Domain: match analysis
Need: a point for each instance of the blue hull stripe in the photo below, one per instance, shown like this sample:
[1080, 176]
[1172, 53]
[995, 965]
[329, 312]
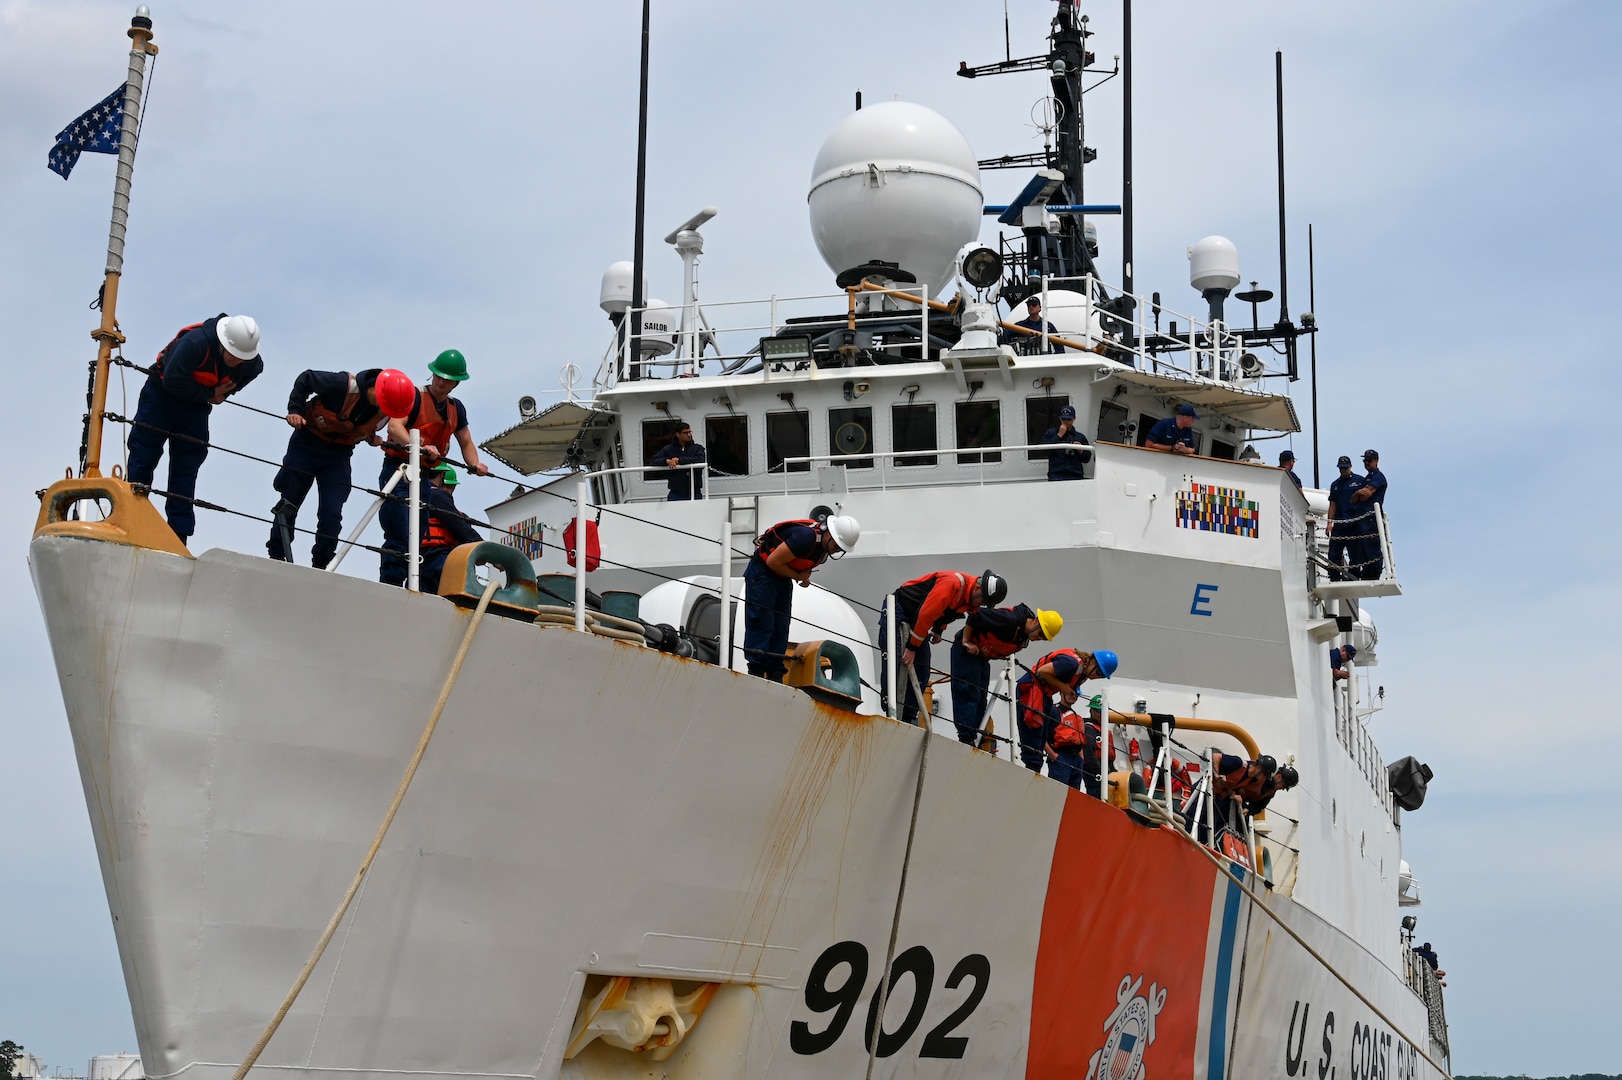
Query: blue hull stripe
[1216, 1062]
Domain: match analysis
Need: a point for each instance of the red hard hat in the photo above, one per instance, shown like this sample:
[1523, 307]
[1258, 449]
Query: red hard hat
[395, 394]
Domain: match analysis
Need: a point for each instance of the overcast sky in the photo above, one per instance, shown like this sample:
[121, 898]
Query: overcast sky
[376, 182]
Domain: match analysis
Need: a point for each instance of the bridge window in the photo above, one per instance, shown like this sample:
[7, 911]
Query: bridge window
[850, 431]
[1042, 413]
[1112, 417]
[726, 445]
[656, 435]
[913, 428]
[979, 423]
[788, 435]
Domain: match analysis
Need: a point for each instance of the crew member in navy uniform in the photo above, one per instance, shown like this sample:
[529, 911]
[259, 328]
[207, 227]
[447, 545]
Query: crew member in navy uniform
[331, 413]
[1251, 784]
[1345, 538]
[785, 553]
[1286, 461]
[685, 484]
[1060, 672]
[1370, 495]
[203, 365]
[1174, 433]
[1067, 464]
[991, 633]
[1339, 658]
[439, 417]
[925, 607]
[1030, 344]
[443, 529]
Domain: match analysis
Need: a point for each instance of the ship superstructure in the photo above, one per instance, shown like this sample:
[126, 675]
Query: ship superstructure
[623, 857]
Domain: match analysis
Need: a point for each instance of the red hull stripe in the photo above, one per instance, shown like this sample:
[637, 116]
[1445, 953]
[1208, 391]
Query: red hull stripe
[1121, 961]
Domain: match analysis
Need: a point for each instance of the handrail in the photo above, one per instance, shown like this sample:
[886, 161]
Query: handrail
[1195, 723]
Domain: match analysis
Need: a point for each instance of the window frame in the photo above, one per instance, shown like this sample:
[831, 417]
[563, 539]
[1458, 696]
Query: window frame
[839, 457]
[977, 455]
[920, 457]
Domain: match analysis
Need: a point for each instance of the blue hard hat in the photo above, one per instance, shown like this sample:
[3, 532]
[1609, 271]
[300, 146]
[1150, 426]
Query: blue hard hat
[1107, 662]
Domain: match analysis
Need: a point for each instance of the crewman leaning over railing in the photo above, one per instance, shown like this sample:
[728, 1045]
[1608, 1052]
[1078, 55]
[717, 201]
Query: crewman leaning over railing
[1073, 751]
[1247, 785]
[203, 365]
[1060, 673]
[785, 553]
[925, 607]
[331, 413]
[990, 633]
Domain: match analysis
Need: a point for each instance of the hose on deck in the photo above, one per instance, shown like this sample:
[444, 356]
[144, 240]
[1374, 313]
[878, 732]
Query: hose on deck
[377, 841]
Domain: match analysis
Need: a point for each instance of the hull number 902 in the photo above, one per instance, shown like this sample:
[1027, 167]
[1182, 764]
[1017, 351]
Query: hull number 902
[835, 984]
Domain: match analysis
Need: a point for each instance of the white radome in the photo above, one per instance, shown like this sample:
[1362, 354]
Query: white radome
[895, 182]
[1213, 263]
[614, 297]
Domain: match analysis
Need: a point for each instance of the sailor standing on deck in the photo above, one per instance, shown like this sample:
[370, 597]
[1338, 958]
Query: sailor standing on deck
[991, 634]
[925, 607]
[439, 417]
[1174, 434]
[1058, 673]
[1030, 344]
[1067, 464]
[685, 484]
[1286, 461]
[787, 552]
[1366, 498]
[1345, 532]
[203, 365]
[331, 413]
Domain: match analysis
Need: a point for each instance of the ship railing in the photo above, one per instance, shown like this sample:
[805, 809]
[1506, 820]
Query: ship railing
[1425, 984]
[1126, 328]
[883, 461]
[1346, 581]
[1213, 350]
[1353, 734]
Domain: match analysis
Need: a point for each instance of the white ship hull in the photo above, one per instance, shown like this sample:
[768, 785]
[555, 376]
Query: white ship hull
[591, 808]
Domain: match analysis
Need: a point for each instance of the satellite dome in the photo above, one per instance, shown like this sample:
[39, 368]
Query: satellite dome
[898, 183]
[1213, 263]
[615, 295]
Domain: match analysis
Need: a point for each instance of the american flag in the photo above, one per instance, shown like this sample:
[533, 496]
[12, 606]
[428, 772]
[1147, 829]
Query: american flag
[98, 131]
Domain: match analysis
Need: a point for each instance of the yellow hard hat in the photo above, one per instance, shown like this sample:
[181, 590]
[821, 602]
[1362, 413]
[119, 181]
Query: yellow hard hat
[1051, 621]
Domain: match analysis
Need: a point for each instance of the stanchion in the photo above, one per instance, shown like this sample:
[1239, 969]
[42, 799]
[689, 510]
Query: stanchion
[414, 518]
[582, 500]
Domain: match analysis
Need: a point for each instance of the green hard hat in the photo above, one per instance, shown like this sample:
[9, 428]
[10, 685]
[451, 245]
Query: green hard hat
[447, 474]
[1097, 702]
[450, 364]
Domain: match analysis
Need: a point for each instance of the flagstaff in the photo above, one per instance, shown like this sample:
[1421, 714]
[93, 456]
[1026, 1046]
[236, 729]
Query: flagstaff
[107, 334]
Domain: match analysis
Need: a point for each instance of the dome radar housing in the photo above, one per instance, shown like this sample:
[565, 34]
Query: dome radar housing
[898, 183]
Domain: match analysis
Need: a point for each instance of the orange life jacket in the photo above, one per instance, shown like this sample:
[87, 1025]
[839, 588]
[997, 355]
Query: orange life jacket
[340, 427]
[1074, 683]
[438, 536]
[1070, 732]
[436, 430]
[770, 540]
[1247, 782]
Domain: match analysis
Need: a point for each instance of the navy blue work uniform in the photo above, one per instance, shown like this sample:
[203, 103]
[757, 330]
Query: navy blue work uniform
[442, 530]
[1369, 555]
[312, 458]
[1067, 464]
[1167, 433]
[175, 403]
[1346, 537]
[395, 514]
[769, 597]
[999, 633]
[1291, 474]
[685, 484]
[1030, 344]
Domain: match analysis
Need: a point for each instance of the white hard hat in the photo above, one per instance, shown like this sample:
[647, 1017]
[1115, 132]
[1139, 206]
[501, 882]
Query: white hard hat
[239, 336]
[845, 531]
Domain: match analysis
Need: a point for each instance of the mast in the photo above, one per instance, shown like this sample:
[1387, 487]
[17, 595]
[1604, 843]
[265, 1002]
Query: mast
[1126, 146]
[107, 334]
[634, 358]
